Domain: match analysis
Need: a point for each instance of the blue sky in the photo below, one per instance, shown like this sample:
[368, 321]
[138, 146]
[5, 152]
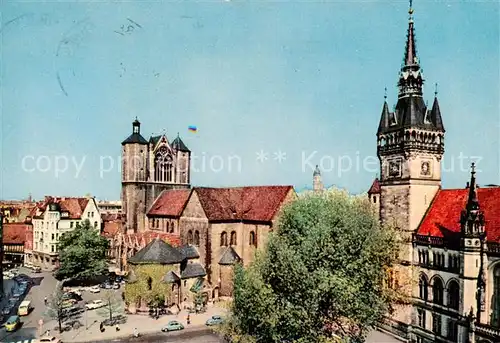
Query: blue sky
[295, 77]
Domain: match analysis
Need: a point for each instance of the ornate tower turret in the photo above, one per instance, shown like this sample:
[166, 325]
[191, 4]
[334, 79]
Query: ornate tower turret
[472, 256]
[317, 183]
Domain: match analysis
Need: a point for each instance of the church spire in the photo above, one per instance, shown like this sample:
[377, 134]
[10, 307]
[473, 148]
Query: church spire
[472, 218]
[410, 49]
[410, 78]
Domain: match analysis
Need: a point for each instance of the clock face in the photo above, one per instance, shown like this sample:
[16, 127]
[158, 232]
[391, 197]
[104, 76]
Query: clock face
[394, 168]
[425, 168]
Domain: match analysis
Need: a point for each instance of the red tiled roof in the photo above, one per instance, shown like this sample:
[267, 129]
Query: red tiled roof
[15, 233]
[375, 188]
[111, 228]
[170, 203]
[144, 238]
[258, 203]
[74, 206]
[443, 217]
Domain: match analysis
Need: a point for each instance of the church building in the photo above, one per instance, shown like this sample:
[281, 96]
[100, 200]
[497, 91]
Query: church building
[451, 237]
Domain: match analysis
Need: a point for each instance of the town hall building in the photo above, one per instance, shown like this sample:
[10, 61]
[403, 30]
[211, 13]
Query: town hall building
[451, 237]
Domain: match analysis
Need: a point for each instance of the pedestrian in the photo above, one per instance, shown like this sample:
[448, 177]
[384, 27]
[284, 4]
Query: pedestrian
[117, 328]
[101, 327]
[45, 301]
[136, 333]
[189, 319]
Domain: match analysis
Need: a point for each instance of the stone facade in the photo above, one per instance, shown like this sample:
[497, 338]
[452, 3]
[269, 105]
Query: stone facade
[213, 235]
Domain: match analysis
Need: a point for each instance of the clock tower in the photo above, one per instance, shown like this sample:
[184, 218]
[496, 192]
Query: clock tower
[410, 145]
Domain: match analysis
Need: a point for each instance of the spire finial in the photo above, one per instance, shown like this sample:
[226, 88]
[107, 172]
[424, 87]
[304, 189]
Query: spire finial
[473, 168]
[385, 93]
[410, 10]
[436, 89]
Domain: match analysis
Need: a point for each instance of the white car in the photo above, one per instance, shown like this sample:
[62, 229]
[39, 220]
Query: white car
[94, 304]
[94, 289]
[48, 339]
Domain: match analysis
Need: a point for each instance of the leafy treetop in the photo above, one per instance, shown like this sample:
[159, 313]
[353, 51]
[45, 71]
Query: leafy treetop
[82, 253]
[322, 277]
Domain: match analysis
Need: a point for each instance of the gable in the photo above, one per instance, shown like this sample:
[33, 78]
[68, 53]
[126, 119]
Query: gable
[193, 208]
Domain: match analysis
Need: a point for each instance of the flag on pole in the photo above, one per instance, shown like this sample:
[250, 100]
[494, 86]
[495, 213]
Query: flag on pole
[192, 128]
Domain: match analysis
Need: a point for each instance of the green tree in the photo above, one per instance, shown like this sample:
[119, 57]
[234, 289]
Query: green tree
[113, 305]
[82, 254]
[321, 278]
[54, 308]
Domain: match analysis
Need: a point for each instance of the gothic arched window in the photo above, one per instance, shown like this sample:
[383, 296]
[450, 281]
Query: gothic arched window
[197, 238]
[437, 291]
[422, 287]
[233, 238]
[252, 240]
[453, 295]
[190, 237]
[150, 283]
[163, 166]
[223, 239]
[495, 318]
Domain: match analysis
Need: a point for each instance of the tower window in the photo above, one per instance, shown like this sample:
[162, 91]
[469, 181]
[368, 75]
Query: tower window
[190, 237]
[374, 199]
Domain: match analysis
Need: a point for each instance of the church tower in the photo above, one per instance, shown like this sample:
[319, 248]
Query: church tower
[410, 145]
[317, 183]
[134, 174]
[148, 169]
[472, 255]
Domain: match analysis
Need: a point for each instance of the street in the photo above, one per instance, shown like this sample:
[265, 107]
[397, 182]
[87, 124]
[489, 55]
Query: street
[193, 336]
[43, 285]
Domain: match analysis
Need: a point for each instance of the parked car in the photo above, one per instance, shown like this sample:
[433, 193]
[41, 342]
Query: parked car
[116, 286]
[172, 325]
[37, 270]
[48, 339]
[94, 289]
[94, 304]
[214, 320]
[6, 310]
[71, 311]
[71, 295]
[12, 323]
[68, 303]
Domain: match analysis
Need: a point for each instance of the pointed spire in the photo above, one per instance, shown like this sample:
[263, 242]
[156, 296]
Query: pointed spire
[411, 50]
[317, 171]
[472, 201]
[436, 115]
